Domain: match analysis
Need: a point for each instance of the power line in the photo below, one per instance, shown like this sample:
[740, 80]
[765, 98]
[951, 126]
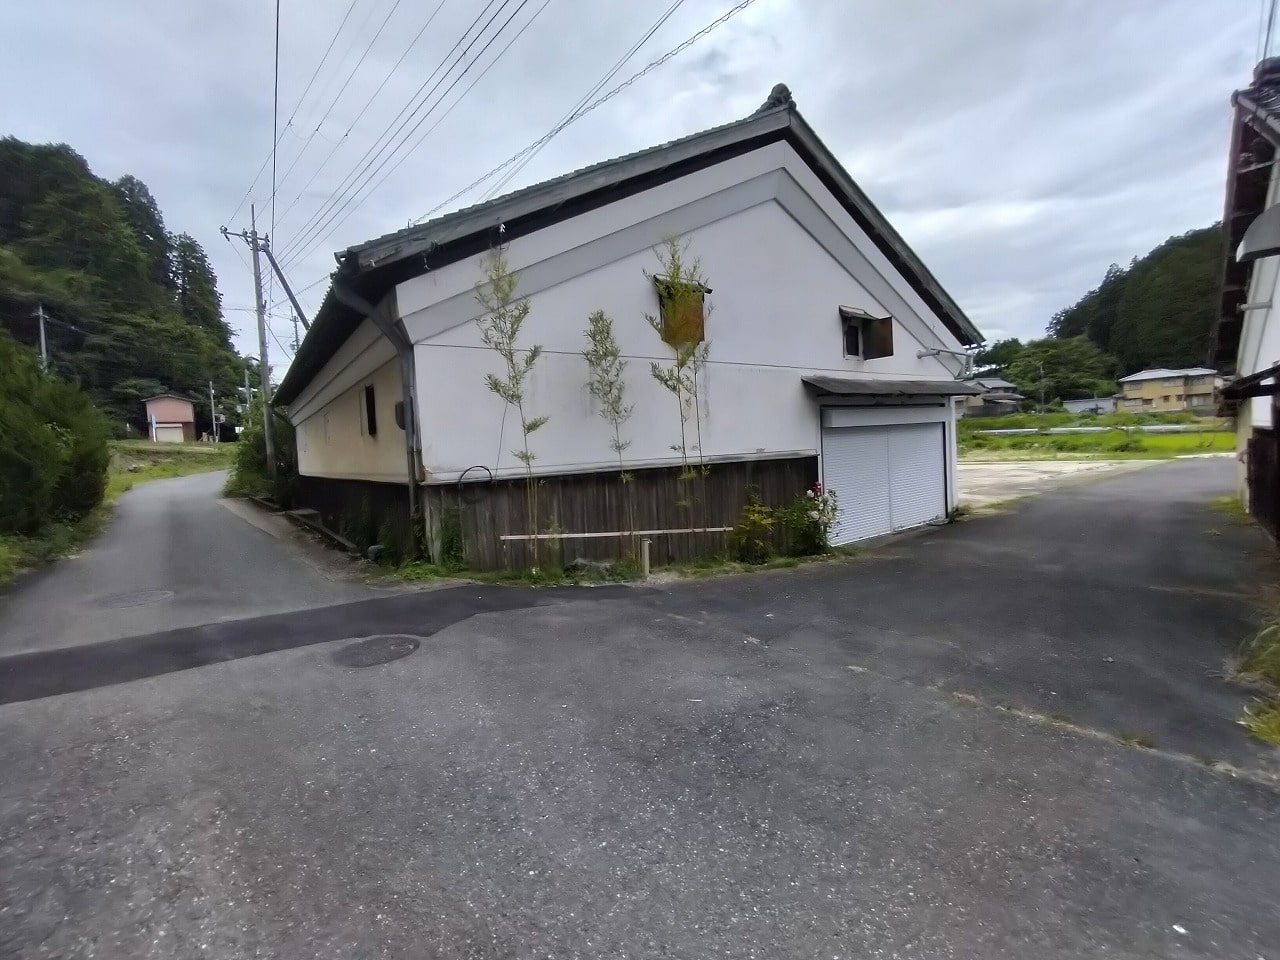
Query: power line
[380, 145]
[297, 106]
[360, 115]
[275, 120]
[596, 88]
[333, 103]
[653, 65]
[334, 225]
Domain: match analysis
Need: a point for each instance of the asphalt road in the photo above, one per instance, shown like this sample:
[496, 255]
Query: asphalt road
[773, 765]
[172, 556]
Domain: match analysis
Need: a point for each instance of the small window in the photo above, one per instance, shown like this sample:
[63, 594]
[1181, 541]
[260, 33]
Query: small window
[852, 337]
[370, 412]
[866, 337]
[398, 412]
[1165, 398]
[682, 307]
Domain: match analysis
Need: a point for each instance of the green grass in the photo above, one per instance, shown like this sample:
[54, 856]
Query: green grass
[620, 573]
[717, 566]
[1258, 659]
[18, 554]
[1112, 445]
[1262, 719]
[1064, 419]
[419, 571]
[137, 461]
[1232, 508]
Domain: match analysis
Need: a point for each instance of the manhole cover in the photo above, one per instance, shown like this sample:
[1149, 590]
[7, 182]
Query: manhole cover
[372, 651]
[135, 598]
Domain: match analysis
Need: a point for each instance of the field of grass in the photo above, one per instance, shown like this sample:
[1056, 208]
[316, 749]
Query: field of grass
[1062, 419]
[1112, 445]
[137, 461]
[132, 462]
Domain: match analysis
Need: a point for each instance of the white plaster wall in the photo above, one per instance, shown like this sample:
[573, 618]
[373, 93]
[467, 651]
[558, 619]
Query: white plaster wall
[1260, 338]
[773, 318]
[333, 439]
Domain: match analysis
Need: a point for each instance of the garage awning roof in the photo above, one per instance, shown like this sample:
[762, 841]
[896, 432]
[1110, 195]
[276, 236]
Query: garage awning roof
[848, 387]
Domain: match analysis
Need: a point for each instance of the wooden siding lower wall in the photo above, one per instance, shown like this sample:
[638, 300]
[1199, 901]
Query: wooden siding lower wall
[365, 511]
[660, 499]
[1263, 461]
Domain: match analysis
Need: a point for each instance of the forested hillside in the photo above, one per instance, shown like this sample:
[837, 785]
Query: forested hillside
[1157, 312]
[134, 309]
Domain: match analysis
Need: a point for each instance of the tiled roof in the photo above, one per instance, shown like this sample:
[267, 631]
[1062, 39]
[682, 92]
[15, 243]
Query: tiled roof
[1255, 135]
[1160, 373]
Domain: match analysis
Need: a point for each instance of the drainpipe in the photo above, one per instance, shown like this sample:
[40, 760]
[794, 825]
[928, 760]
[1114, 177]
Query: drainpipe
[391, 326]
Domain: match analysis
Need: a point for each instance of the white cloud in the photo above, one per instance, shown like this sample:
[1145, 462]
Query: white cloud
[1021, 147]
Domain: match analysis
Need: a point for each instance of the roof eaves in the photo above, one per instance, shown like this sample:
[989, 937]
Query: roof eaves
[459, 223]
[883, 230]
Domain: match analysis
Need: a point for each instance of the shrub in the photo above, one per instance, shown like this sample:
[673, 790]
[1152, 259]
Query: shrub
[249, 475]
[751, 539]
[808, 520]
[53, 446]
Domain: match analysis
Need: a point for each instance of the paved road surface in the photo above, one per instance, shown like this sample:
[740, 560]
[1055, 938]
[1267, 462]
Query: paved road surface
[172, 556]
[770, 766]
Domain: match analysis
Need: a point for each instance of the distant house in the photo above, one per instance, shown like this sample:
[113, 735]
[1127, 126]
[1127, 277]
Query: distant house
[1090, 405]
[170, 419]
[1193, 389]
[998, 397]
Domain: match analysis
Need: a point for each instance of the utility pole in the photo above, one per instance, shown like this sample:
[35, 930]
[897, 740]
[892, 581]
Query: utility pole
[213, 415]
[1041, 387]
[293, 317]
[259, 246]
[44, 346]
[264, 373]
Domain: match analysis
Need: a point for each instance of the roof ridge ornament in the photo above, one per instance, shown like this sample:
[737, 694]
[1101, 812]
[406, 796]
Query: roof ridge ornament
[779, 96]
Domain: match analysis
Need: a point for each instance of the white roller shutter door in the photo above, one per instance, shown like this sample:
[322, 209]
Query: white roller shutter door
[855, 464]
[169, 433]
[917, 462]
[887, 478]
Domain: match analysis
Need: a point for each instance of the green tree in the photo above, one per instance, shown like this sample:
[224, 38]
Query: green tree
[1094, 316]
[1065, 368]
[1170, 303]
[1158, 311]
[196, 286]
[994, 361]
[53, 445]
[500, 327]
[681, 323]
[142, 214]
[127, 303]
[606, 382]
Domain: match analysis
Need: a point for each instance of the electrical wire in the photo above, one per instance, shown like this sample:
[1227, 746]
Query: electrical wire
[596, 88]
[439, 120]
[275, 120]
[297, 106]
[653, 65]
[349, 186]
[333, 103]
[360, 115]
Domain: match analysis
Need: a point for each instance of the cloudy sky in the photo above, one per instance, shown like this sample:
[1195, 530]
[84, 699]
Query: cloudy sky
[1020, 146]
